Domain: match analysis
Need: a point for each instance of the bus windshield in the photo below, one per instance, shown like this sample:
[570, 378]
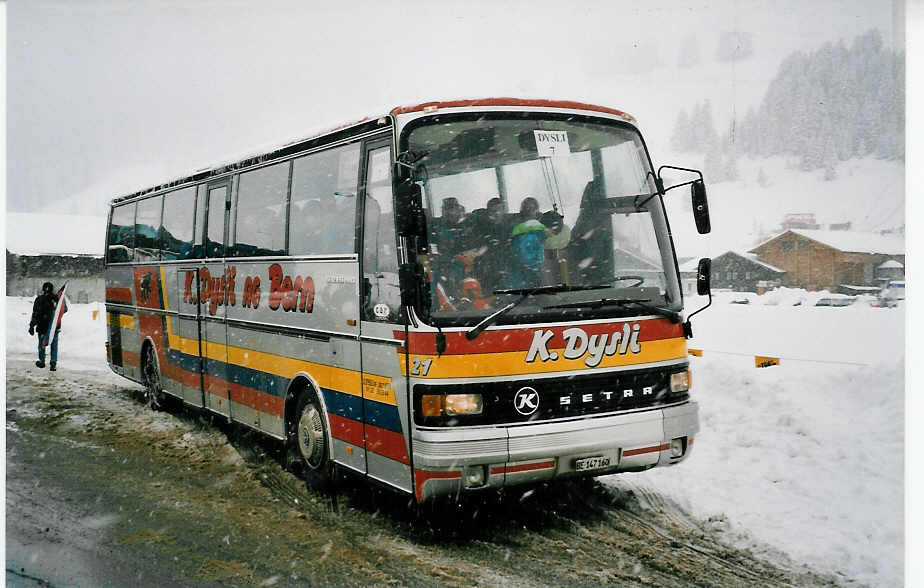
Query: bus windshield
[517, 204]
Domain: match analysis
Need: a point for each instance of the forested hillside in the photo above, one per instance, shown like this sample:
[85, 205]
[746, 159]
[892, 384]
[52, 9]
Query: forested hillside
[832, 104]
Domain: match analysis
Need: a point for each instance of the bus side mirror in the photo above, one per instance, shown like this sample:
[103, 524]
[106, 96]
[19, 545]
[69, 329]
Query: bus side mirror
[409, 214]
[703, 276]
[700, 207]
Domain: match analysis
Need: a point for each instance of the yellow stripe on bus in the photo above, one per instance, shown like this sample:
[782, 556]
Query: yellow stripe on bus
[344, 380]
[125, 321]
[513, 362]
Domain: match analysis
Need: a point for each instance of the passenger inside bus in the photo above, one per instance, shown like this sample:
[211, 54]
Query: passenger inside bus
[558, 235]
[490, 232]
[591, 247]
[449, 238]
[476, 254]
[527, 242]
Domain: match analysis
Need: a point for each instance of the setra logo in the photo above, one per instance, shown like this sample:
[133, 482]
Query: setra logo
[578, 344]
[526, 401]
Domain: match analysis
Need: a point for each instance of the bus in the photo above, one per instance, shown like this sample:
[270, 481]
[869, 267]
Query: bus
[450, 297]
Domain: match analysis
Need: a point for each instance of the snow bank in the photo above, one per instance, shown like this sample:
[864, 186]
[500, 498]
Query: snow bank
[81, 344]
[806, 456]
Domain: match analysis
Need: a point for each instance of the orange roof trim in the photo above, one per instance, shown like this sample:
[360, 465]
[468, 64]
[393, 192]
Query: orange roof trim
[512, 102]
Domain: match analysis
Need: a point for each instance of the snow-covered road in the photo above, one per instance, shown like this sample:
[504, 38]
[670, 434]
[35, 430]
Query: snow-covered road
[804, 458]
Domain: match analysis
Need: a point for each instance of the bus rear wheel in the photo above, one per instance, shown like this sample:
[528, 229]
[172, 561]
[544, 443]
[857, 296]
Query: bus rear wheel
[153, 393]
[312, 443]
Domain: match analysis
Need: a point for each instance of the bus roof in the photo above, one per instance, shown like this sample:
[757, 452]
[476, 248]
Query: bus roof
[363, 126]
[533, 102]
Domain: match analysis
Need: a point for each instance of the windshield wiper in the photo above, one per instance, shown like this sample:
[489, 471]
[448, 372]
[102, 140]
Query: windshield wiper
[640, 302]
[524, 293]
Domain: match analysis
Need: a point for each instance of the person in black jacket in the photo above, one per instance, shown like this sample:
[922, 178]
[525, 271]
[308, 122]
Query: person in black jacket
[42, 310]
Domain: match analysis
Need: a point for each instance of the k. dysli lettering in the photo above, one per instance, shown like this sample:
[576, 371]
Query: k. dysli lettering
[579, 344]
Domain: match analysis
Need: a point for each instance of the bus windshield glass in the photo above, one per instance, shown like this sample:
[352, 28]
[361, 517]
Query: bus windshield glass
[518, 204]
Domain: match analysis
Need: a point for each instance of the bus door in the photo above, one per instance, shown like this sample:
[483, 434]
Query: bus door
[214, 289]
[187, 343]
[384, 386]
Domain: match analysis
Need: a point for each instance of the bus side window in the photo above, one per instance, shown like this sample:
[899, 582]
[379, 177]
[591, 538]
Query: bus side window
[215, 224]
[323, 202]
[147, 229]
[198, 247]
[121, 234]
[176, 232]
[380, 254]
[260, 227]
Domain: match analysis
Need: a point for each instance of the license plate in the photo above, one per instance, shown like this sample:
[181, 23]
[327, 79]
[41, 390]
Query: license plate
[591, 463]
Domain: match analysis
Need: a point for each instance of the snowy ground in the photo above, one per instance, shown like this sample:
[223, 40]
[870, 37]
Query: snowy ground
[806, 457]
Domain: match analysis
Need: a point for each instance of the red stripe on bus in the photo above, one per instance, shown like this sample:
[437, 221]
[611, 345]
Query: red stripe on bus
[511, 102]
[387, 443]
[119, 295]
[526, 467]
[346, 429]
[255, 399]
[642, 450]
[421, 477]
[521, 339]
[178, 374]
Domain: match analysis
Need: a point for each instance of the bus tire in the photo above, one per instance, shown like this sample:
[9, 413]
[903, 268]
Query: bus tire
[312, 445]
[150, 375]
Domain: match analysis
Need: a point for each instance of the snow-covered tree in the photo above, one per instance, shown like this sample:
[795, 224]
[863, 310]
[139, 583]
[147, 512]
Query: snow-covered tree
[762, 179]
[689, 52]
[680, 137]
[832, 104]
[734, 45]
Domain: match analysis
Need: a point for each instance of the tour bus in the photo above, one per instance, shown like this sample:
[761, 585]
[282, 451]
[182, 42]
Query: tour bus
[451, 297]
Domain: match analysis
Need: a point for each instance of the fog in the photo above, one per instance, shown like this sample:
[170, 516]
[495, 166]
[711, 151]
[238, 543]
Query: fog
[106, 98]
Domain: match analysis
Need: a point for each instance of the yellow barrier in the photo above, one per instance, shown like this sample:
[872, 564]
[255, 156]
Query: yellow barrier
[696, 352]
[761, 361]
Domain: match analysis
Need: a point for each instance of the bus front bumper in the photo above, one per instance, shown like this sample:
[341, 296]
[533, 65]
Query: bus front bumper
[448, 462]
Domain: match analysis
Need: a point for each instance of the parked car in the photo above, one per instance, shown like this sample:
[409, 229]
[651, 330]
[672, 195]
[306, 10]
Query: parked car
[835, 301]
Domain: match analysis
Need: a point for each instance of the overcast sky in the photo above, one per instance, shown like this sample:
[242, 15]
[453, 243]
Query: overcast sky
[104, 98]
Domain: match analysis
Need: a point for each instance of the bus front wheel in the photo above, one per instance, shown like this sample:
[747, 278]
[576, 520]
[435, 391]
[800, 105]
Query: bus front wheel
[312, 443]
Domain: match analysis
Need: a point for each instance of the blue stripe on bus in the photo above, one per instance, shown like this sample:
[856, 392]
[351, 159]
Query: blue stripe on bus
[348, 406]
[383, 415]
[341, 404]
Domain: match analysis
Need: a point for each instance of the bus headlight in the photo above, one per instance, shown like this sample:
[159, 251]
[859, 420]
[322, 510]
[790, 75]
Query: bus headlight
[454, 404]
[437, 405]
[681, 381]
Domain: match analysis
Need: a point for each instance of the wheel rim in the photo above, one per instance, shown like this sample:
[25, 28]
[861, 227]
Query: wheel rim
[311, 436]
[152, 380]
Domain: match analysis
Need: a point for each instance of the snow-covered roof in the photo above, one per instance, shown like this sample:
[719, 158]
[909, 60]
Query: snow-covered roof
[753, 257]
[890, 264]
[849, 241]
[689, 266]
[55, 234]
